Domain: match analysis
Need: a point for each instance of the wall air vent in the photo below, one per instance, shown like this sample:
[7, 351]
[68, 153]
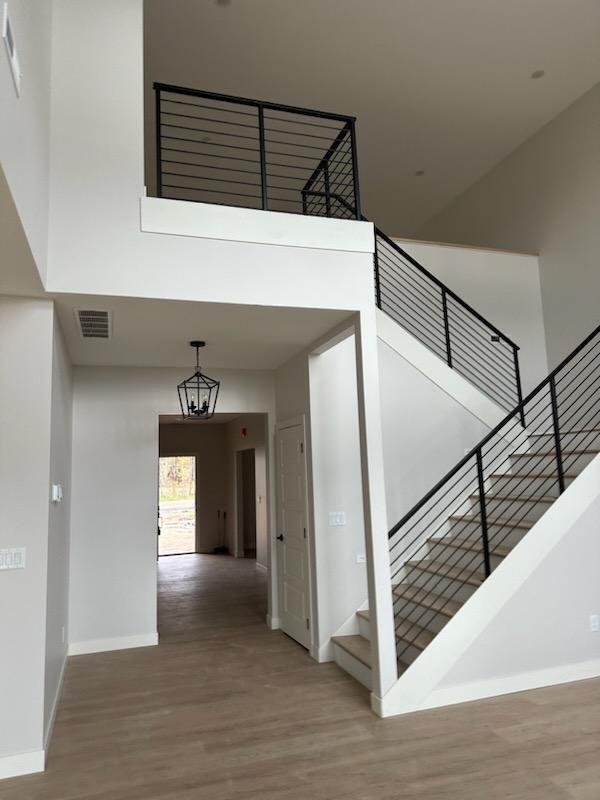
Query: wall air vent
[94, 324]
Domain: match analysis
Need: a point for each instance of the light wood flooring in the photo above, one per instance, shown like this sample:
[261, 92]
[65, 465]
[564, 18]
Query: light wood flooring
[224, 709]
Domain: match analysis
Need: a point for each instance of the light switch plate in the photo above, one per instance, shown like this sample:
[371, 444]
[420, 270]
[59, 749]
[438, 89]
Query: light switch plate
[361, 558]
[337, 518]
[12, 558]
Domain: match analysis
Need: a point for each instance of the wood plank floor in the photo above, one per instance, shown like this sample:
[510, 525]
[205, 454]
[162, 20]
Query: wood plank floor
[225, 709]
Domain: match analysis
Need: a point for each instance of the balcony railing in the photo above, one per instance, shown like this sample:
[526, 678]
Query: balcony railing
[213, 148]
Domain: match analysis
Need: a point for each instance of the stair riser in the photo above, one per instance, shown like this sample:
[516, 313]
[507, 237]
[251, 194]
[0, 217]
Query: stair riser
[425, 617]
[447, 587]
[504, 535]
[364, 627]
[515, 484]
[569, 441]
[547, 462]
[518, 509]
[465, 559]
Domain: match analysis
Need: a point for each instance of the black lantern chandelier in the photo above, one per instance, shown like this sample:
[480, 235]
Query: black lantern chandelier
[198, 394]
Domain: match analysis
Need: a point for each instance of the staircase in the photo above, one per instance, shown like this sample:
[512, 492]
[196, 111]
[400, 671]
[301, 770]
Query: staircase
[463, 529]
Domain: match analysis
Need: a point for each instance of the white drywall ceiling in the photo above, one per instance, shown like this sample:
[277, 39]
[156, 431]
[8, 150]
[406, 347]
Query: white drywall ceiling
[155, 333]
[437, 85]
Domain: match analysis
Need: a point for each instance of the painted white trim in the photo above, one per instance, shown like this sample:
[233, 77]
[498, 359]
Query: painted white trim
[430, 365]
[274, 623]
[478, 690]
[118, 643]
[56, 701]
[209, 221]
[22, 764]
[421, 686]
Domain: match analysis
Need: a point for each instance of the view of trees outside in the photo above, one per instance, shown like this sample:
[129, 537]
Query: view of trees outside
[177, 505]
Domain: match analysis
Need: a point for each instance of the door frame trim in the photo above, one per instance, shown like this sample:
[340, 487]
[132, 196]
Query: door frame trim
[275, 622]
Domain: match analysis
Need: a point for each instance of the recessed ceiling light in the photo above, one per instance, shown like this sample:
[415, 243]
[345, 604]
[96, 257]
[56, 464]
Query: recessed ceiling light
[420, 172]
[536, 74]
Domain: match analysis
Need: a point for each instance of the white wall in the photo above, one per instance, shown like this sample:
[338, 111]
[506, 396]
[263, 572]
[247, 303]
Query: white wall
[115, 466]
[425, 432]
[256, 438]
[25, 129]
[503, 287]
[25, 403]
[57, 609]
[544, 198]
[97, 178]
[341, 582]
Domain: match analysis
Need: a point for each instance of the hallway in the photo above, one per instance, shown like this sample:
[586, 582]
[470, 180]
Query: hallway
[224, 708]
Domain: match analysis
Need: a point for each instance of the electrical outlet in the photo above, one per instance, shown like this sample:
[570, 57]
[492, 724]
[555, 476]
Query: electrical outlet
[361, 558]
[337, 518]
[594, 623]
[12, 558]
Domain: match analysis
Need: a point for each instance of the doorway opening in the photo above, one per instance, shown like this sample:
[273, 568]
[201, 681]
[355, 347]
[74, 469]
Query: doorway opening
[177, 505]
[246, 502]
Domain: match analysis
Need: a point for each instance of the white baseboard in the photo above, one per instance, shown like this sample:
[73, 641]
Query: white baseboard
[261, 567]
[273, 623]
[525, 681]
[55, 702]
[118, 643]
[22, 764]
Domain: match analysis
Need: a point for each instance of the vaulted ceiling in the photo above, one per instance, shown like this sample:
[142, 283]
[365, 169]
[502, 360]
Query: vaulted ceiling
[438, 86]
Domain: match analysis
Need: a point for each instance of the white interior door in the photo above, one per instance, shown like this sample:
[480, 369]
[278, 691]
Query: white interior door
[292, 544]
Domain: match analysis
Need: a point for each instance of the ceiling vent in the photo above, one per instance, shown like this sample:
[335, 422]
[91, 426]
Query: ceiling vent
[94, 324]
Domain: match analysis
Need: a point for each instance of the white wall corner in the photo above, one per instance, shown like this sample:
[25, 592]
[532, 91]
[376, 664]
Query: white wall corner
[432, 367]
[55, 702]
[118, 643]
[273, 623]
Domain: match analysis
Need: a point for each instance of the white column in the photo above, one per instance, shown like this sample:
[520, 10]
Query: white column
[381, 613]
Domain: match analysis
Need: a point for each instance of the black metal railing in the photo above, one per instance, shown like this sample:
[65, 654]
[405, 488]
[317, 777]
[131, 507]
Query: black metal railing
[445, 323]
[455, 536]
[214, 148]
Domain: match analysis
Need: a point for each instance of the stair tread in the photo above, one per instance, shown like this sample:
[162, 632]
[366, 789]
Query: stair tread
[364, 613]
[414, 633]
[436, 602]
[463, 543]
[501, 521]
[357, 646]
[446, 570]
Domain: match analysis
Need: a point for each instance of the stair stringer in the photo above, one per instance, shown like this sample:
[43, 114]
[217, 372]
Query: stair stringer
[444, 377]
[505, 638]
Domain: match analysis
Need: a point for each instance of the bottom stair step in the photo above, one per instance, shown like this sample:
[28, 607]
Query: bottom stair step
[357, 646]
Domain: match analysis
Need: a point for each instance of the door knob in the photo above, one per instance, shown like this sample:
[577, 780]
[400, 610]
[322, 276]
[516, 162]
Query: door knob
[280, 537]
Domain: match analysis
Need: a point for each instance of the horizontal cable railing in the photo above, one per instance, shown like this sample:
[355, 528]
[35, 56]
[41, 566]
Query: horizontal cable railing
[467, 523]
[214, 148]
[445, 323]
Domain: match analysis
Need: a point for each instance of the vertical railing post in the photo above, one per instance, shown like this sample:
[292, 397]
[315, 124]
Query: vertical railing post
[518, 382]
[483, 514]
[263, 157]
[304, 206]
[352, 129]
[557, 444]
[446, 326]
[377, 282]
[158, 143]
[327, 190]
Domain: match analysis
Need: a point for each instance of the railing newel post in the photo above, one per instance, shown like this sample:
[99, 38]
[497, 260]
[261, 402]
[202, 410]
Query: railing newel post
[352, 130]
[557, 444]
[263, 157]
[518, 383]
[377, 277]
[483, 514]
[446, 326]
